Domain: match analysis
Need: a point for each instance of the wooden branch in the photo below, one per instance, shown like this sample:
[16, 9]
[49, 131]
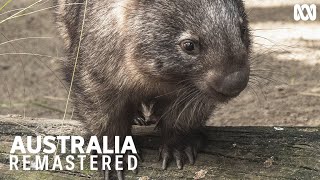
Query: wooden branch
[231, 152]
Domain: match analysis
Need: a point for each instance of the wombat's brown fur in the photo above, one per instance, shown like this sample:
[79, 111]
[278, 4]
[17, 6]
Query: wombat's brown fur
[188, 55]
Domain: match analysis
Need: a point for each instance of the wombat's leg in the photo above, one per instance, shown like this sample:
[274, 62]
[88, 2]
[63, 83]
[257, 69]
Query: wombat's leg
[111, 120]
[180, 147]
[181, 131]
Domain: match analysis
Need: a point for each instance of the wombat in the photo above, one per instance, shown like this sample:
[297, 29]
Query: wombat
[188, 55]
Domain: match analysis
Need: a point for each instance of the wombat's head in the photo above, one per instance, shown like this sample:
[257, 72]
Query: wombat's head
[205, 43]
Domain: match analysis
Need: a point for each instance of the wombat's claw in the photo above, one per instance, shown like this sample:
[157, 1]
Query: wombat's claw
[178, 157]
[191, 153]
[107, 174]
[120, 175]
[166, 153]
[139, 121]
[139, 157]
[135, 171]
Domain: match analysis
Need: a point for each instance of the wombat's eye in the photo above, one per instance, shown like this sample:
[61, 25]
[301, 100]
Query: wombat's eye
[189, 46]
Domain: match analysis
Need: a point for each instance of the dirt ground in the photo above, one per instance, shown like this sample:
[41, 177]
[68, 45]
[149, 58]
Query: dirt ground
[285, 90]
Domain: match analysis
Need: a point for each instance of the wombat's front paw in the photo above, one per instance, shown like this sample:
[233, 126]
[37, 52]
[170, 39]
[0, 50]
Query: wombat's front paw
[179, 153]
[140, 121]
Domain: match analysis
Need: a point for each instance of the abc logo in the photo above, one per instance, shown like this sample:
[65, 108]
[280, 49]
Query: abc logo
[305, 12]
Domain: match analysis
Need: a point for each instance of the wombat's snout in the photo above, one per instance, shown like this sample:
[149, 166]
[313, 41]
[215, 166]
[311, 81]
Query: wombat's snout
[229, 85]
[233, 84]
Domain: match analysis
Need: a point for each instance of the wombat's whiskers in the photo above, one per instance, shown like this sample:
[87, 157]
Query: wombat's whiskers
[181, 98]
[191, 100]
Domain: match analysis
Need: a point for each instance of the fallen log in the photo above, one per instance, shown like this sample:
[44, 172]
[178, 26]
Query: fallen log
[231, 152]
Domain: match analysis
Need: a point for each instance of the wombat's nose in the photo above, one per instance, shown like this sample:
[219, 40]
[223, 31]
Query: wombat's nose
[233, 84]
